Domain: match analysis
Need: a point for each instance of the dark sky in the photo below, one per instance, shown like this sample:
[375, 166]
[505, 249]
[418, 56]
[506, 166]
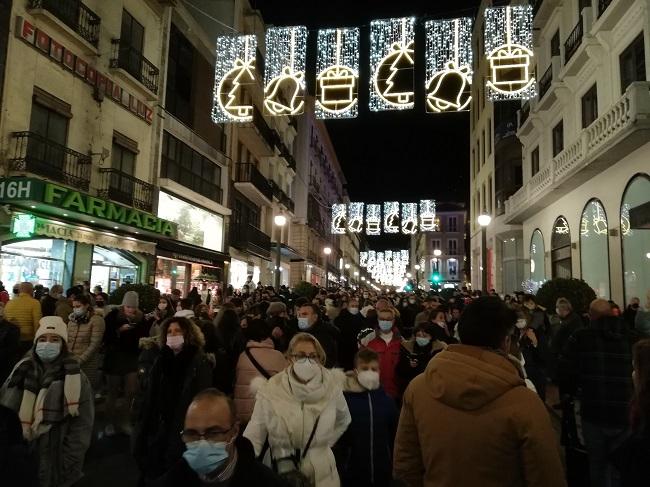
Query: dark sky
[394, 155]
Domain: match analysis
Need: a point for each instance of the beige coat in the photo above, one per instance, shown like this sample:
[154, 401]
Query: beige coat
[270, 359]
[84, 341]
[469, 421]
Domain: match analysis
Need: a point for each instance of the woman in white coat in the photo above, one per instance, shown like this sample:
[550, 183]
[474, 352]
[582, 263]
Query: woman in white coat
[303, 401]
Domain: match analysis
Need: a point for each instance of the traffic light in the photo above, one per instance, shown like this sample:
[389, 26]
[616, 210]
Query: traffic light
[435, 277]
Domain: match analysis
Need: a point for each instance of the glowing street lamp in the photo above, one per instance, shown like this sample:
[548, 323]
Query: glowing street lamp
[327, 251]
[484, 220]
[280, 221]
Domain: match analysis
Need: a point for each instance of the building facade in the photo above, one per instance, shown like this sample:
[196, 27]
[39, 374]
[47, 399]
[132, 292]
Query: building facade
[442, 255]
[584, 204]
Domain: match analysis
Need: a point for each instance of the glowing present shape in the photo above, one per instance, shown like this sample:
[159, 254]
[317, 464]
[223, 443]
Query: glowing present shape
[511, 70]
[355, 217]
[339, 213]
[234, 70]
[391, 217]
[373, 219]
[427, 216]
[284, 73]
[337, 66]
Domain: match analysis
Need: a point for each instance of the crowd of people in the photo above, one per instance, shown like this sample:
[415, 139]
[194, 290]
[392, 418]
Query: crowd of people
[341, 387]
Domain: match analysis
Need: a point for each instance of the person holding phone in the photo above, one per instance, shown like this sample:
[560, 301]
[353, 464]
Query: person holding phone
[125, 325]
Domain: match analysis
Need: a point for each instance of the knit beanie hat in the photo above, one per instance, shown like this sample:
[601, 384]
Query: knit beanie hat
[131, 299]
[52, 324]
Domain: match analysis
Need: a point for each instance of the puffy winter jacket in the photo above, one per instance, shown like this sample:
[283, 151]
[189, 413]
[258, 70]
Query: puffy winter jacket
[271, 361]
[25, 312]
[85, 336]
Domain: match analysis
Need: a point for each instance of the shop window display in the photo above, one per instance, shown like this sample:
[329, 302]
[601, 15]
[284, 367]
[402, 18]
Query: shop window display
[635, 237]
[41, 261]
[594, 248]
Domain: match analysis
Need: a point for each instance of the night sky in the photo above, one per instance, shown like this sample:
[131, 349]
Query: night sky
[394, 155]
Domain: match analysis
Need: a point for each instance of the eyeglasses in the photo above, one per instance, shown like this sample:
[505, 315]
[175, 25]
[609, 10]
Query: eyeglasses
[211, 434]
[303, 356]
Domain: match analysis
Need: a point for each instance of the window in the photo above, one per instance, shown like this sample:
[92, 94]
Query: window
[123, 159]
[452, 224]
[473, 163]
[555, 43]
[131, 45]
[489, 136]
[589, 106]
[452, 267]
[483, 147]
[452, 246]
[534, 161]
[190, 168]
[632, 63]
[435, 244]
[635, 238]
[489, 190]
[594, 248]
[558, 138]
[561, 249]
[537, 270]
[178, 100]
[46, 152]
[484, 200]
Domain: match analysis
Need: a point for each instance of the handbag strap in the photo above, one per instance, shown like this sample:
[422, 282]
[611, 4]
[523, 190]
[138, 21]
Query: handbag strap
[257, 365]
[311, 438]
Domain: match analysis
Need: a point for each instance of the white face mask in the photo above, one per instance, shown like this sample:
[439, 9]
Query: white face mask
[175, 342]
[521, 324]
[305, 369]
[368, 379]
[353, 311]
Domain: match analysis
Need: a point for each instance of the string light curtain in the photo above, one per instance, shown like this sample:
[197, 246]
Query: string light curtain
[284, 74]
[392, 59]
[339, 214]
[234, 71]
[337, 73]
[409, 218]
[355, 217]
[509, 50]
[448, 65]
[391, 217]
[373, 219]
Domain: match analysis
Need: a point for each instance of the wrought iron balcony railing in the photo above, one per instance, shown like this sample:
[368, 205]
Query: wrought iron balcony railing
[545, 81]
[124, 188]
[246, 236]
[248, 173]
[602, 6]
[75, 15]
[524, 112]
[39, 155]
[172, 170]
[573, 41]
[131, 60]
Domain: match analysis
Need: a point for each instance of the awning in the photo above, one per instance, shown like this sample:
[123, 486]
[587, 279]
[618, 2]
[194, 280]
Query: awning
[172, 249]
[43, 227]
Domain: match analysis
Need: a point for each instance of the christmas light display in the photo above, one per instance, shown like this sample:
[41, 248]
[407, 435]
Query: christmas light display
[284, 75]
[234, 70]
[372, 258]
[428, 216]
[388, 267]
[448, 64]
[409, 218]
[392, 58]
[337, 78]
[363, 259]
[355, 217]
[509, 50]
[598, 220]
[562, 227]
[339, 213]
[391, 217]
[373, 219]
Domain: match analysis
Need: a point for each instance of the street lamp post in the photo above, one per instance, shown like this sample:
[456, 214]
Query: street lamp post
[327, 251]
[484, 220]
[280, 221]
[417, 278]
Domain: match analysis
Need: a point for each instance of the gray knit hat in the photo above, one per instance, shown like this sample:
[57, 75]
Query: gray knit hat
[131, 299]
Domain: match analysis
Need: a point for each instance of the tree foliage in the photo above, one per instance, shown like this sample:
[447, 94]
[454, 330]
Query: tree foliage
[577, 291]
[148, 295]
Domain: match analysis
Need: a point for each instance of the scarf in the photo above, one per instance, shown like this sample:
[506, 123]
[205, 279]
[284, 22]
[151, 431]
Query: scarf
[36, 381]
[79, 320]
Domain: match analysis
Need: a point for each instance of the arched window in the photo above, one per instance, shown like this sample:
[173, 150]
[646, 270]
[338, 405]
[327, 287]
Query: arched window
[635, 237]
[594, 248]
[561, 249]
[537, 271]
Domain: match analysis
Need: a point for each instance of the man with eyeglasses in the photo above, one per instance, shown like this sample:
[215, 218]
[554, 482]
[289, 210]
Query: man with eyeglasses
[215, 454]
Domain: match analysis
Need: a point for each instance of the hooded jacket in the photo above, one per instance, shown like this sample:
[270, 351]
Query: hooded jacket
[472, 408]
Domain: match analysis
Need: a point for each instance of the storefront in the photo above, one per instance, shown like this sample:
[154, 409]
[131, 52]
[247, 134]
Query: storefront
[55, 235]
[196, 257]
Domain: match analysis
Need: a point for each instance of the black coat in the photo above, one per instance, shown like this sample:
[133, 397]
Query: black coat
[248, 472]
[349, 325]
[173, 383]
[9, 346]
[411, 350]
[122, 348]
[328, 336]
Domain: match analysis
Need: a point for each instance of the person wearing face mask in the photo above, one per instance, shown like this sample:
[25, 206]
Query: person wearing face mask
[165, 309]
[538, 318]
[53, 399]
[416, 353]
[215, 454]
[125, 325]
[180, 371]
[387, 344]
[51, 299]
[350, 323]
[441, 330]
[85, 335]
[365, 449]
[309, 321]
[409, 310]
[299, 414]
[470, 420]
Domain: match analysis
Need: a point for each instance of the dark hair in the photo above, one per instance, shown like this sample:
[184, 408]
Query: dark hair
[84, 300]
[641, 401]
[366, 355]
[529, 297]
[236, 302]
[211, 394]
[258, 330]
[314, 308]
[191, 332]
[301, 301]
[485, 322]
[73, 291]
[186, 303]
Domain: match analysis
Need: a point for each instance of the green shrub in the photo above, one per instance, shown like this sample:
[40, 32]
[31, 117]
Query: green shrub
[148, 295]
[577, 291]
[303, 288]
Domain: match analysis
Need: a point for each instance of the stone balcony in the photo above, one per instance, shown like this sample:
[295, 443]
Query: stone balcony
[624, 127]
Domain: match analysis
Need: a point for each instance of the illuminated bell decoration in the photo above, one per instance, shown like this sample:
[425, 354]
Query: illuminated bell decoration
[284, 74]
[449, 90]
[288, 82]
[355, 217]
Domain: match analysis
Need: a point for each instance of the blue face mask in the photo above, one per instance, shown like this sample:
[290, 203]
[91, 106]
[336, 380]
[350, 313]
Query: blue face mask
[422, 341]
[385, 325]
[48, 351]
[204, 457]
[303, 323]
